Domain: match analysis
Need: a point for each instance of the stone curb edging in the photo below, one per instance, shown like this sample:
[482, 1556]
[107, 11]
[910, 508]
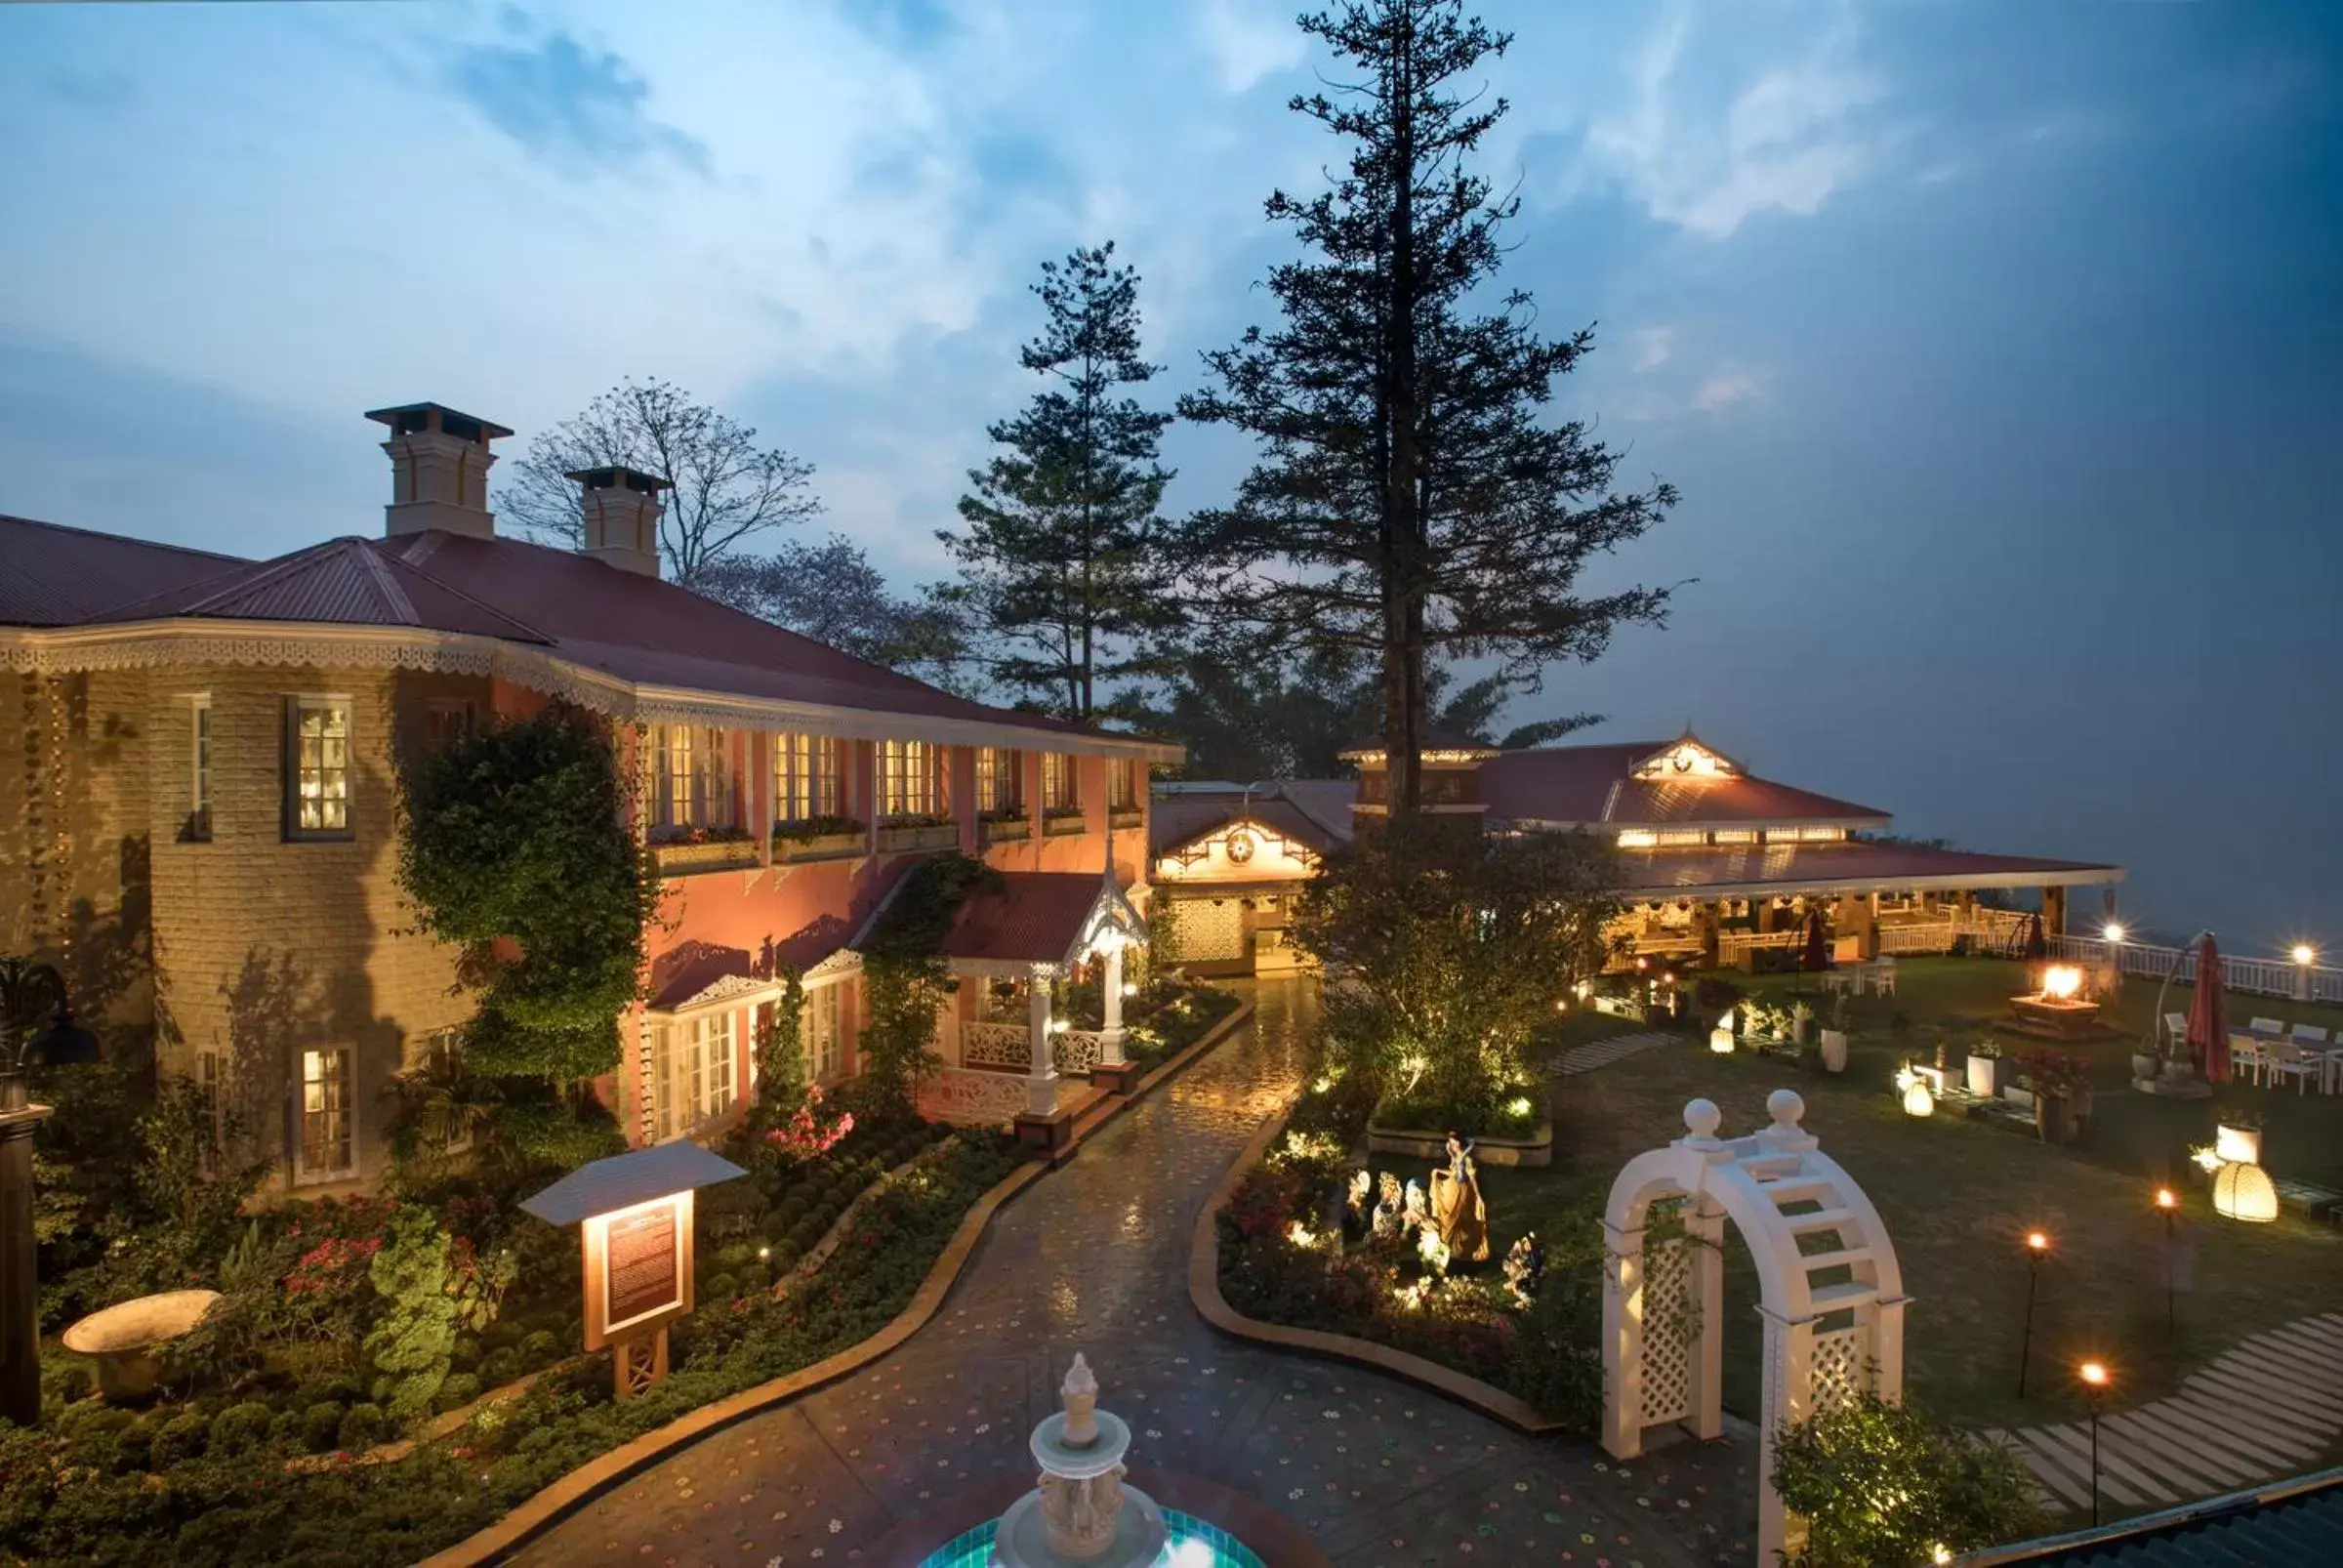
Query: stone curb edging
[557, 1501]
[1204, 1293]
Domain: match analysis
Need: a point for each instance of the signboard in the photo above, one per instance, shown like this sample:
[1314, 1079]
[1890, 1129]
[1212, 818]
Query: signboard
[642, 1267]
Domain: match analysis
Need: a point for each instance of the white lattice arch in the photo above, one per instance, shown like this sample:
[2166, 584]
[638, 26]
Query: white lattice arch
[1663, 1327]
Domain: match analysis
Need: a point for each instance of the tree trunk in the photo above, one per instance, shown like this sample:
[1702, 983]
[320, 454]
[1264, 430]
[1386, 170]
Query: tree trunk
[1403, 591]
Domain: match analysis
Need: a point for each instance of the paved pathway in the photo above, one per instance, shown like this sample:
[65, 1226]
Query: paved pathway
[1094, 1259]
[1603, 1053]
[2266, 1409]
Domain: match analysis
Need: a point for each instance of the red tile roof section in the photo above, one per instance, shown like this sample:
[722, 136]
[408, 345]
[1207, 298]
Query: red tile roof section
[52, 576]
[1030, 917]
[1593, 784]
[1840, 865]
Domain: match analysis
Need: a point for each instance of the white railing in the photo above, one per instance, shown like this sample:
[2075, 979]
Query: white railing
[1936, 936]
[1077, 1050]
[987, 1099]
[2256, 976]
[1731, 943]
[997, 1045]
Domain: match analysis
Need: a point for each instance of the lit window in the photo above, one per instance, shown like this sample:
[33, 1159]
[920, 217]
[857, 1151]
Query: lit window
[1637, 839]
[318, 768]
[691, 1073]
[998, 792]
[1678, 837]
[328, 1122]
[1735, 836]
[1059, 795]
[824, 1045]
[198, 827]
[908, 786]
[807, 777]
[691, 775]
[1121, 784]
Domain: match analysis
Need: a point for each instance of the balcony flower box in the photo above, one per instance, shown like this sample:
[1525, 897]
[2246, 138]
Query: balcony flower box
[1126, 817]
[819, 838]
[1007, 829]
[917, 836]
[679, 857]
[1061, 819]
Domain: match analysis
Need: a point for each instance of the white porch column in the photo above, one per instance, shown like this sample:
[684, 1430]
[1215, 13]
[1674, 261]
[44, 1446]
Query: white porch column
[1622, 1342]
[1110, 988]
[1041, 1082]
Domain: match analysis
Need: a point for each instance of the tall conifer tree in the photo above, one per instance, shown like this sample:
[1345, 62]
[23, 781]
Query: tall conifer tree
[1060, 573]
[1411, 502]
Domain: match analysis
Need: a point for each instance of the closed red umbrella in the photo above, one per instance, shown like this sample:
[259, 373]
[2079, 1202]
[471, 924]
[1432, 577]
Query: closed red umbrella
[2035, 946]
[2209, 1016]
[1818, 946]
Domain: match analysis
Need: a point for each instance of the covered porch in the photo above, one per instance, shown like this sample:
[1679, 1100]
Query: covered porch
[1013, 1050]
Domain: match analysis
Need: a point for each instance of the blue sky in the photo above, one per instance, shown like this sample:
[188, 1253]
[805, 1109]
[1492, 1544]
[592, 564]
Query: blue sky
[1991, 345]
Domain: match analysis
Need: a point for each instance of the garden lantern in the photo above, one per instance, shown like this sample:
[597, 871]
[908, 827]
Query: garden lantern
[636, 1248]
[2167, 1204]
[2038, 1247]
[2094, 1385]
[2243, 1191]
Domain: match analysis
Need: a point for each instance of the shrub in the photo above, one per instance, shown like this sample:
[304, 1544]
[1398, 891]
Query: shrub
[361, 1428]
[182, 1437]
[1881, 1483]
[823, 1218]
[284, 1429]
[785, 1255]
[239, 1428]
[539, 1348]
[435, 1286]
[320, 1428]
[134, 1445]
[500, 1366]
[721, 1288]
[460, 1390]
[792, 1209]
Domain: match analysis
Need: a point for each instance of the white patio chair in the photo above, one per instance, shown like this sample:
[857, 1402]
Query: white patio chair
[2268, 1027]
[2307, 1034]
[1883, 977]
[2248, 1055]
[2176, 1030]
[2292, 1061]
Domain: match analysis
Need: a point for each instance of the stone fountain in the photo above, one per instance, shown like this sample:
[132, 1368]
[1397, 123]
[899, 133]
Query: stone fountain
[1082, 1511]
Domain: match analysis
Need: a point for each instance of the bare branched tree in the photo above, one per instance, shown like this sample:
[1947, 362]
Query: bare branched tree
[727, 488]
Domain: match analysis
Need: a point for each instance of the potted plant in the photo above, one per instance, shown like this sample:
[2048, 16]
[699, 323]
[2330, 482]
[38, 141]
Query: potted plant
[2146, 1064]
[2179, 1069]
[1984, 1067]
[1801, 1023]
[2061, 1081]
[1834, 1037]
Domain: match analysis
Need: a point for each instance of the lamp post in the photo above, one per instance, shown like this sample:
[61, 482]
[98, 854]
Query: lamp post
[2037, 1246]
[2167, 1204]
[2094, 1385]
[28, 992]
[2303, 956]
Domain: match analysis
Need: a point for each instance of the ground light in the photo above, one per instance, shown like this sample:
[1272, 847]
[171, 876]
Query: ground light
[2094, 1386]
[2243, 1191]
[2038, 1247]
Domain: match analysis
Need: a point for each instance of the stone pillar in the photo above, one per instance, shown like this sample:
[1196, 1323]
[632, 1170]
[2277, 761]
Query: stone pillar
[1622, 1342]
[1041, 1082]
[2054, 911]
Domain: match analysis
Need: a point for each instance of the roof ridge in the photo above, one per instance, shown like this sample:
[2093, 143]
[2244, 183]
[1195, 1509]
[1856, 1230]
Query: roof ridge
[379, 546]
[379, 571]
[124, 538]
[265, 572]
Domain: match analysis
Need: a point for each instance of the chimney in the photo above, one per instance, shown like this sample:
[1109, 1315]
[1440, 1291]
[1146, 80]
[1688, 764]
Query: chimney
[440, 463]
[621, 508]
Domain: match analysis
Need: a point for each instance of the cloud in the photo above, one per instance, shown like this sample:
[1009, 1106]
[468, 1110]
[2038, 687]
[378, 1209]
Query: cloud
[1729, 385]
[573, 104]
[1247, 41]
[1787, 139]
[1653, 346]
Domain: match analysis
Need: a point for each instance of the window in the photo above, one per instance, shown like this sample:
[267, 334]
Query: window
[824, 1044]
[692, 779]
[446, 722]
[691, 1072]
[807, 777]
[198, 828]
[328, 1117]
[1121, 784]
[1637, 837]
[999, 788]
[318, 768]
[1059, 798]
[1734, 836]
[908, 785]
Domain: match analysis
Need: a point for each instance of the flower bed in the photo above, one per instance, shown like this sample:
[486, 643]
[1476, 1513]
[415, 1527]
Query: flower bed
[1293, 1249]
[214, 1479]
[1167, 1018]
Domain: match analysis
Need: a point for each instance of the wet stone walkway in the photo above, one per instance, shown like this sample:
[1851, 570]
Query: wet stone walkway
[1094, 1259]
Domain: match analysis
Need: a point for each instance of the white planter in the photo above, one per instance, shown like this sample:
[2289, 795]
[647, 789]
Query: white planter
[1834, 1050]
[1984, 1076]
[2238, 1145]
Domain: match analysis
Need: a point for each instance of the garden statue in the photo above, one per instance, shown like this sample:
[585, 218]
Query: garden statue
[1361, 1184]
[1456, 1204]
[1387, 1212]
[1524, 1263]
[1414, 1216]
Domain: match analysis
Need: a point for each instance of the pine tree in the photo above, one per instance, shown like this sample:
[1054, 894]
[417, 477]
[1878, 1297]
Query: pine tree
[1059, 568]
[1409, 503]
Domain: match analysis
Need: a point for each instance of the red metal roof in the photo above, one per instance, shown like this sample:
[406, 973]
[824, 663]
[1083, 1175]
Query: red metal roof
[1032, 916]
[1852, 865]
[1175, 820]
[345, 582]
[1596, 784]
[52, 576]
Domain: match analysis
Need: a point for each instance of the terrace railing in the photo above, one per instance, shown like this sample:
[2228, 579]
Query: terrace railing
[2256, 976]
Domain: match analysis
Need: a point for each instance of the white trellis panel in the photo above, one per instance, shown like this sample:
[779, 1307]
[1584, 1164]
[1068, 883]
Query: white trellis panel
[1210, 930]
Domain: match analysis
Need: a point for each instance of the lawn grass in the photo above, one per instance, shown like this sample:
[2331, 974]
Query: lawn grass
[1957, 1197]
